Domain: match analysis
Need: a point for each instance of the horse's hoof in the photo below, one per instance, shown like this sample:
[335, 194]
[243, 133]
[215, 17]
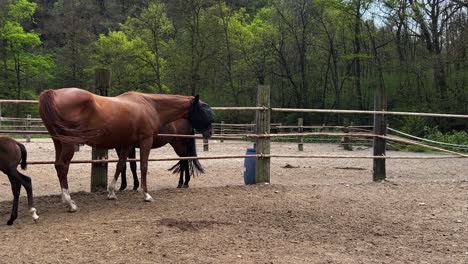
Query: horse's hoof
[34, 214]
[73, 208]
[10, 222]
[148, 198]
[179, 186]
[111, 197]
[36, 220]
[185, 186]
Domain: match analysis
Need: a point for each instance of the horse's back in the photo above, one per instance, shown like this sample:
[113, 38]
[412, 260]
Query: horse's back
[69, 102]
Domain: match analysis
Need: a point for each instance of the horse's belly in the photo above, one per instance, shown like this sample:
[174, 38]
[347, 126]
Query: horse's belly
[111, 141]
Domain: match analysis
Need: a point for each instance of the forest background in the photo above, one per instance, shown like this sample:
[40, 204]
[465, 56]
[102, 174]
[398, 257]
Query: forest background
[314, 54]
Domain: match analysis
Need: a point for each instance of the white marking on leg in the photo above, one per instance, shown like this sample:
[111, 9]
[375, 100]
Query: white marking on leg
[110, 189]
[66, 198]
[34, 214]
[148, 198]
[112, 185]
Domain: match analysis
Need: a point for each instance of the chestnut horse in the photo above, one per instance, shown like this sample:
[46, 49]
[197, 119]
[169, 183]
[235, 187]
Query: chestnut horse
[184, 147]
[11, 154]
[75, 116]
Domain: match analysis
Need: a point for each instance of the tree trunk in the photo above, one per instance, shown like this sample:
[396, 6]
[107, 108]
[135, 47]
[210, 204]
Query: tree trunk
[357, 51]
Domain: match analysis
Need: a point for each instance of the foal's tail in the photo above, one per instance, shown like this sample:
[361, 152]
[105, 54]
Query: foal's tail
[24, 155]
[60, 129]
[194, 165]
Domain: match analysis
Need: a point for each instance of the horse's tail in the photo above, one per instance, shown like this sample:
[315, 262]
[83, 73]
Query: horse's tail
[194, 165]
[60, 129]
[24, 155]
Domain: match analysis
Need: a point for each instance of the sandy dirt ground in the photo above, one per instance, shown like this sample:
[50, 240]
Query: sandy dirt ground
[320, 211]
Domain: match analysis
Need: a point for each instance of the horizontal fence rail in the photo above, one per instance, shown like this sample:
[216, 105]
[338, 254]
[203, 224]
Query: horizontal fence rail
[297, 110]
[250, 132]
[48, 162]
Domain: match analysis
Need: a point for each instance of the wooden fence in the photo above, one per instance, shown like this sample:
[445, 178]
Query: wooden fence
[261, 135]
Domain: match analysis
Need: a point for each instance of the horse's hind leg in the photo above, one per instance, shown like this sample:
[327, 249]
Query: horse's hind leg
[15, 188]
[123, 182]
[123, 154]
[145, 148]
[26, 182]
[133, 168]
[181, 175]
[63, 155]
[185, 169]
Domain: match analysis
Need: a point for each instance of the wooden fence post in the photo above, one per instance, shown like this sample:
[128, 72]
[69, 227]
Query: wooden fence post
[99, 170]
[380, 104]
[205, 144]
[222, 131]
[346, 142]
[28, 127]
[262, 144]
[300, 129]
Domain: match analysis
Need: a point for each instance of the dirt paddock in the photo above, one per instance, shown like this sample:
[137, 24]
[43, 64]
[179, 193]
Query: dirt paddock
[319, 211]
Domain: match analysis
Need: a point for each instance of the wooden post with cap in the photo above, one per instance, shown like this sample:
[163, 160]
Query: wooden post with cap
[99, 170]
[262, 126]
[380, 128]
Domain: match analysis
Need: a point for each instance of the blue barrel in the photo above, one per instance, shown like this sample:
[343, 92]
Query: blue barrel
[249, 167]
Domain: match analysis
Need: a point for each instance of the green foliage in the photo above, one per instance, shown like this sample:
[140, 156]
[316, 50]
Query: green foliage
[305, 50]
[21, 9]
[136, 53]
[362, 56]
[414, 125]
[453, 137]
[22, 63]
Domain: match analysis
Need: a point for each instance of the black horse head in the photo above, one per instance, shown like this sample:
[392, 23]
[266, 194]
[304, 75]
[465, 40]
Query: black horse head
[201, 116]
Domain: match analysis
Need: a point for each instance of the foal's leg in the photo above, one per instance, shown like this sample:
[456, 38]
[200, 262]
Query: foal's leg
[123, 154]
[15, 188]
[26, 182]
[63, 155]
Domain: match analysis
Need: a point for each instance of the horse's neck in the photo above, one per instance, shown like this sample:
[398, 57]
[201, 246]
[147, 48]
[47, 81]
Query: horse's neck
[171, 107]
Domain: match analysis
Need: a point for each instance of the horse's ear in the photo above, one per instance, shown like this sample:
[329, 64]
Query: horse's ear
[196, 99]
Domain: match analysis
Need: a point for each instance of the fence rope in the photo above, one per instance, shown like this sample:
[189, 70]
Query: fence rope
[428, 140]
[365, 112]
[391, 138]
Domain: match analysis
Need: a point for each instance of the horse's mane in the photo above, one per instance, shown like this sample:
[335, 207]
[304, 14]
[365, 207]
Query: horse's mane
[60, 129]
[194, 165]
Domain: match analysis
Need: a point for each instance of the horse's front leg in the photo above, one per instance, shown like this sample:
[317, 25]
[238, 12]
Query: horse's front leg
[123, 154]
[63, 155]
[145, 148]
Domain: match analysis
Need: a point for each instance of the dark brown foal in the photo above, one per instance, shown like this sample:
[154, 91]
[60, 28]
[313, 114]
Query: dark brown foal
[11, 154]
